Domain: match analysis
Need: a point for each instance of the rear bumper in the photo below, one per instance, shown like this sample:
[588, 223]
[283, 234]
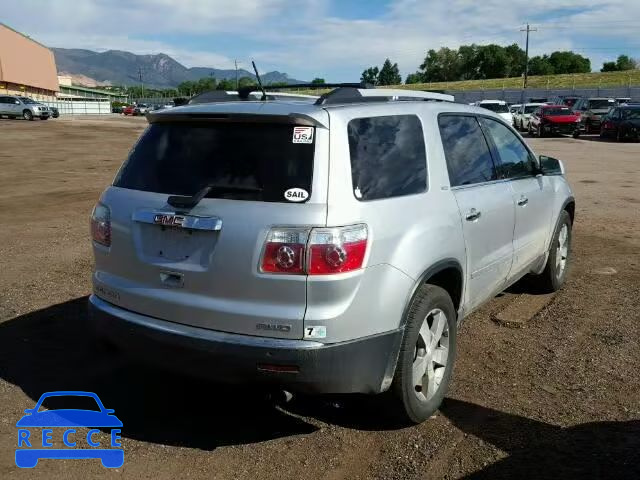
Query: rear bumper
[361, 366]
[561, 128]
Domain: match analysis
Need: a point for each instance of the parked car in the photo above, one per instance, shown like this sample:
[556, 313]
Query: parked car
[24, 107]
[621, 123]
[513, 109]
[128, 110]
[522, 116]
[117, 108]
[622, 100]
[295, 245]
[568, 100]
[591, 111]
[54, 112]
[498, 106]
[554, 120]
[141, 109]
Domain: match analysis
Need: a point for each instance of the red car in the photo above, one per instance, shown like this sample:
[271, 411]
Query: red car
[554, 119]
[129, 110]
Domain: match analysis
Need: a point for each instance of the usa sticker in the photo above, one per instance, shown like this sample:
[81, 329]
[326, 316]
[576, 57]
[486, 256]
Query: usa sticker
[296, 195]
[302, 135]
[315, 332]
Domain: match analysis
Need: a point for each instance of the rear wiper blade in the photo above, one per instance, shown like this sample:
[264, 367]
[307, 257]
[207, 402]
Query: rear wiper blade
[180, 201]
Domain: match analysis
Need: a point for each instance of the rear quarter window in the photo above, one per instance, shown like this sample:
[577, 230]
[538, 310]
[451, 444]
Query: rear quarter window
[388, 156]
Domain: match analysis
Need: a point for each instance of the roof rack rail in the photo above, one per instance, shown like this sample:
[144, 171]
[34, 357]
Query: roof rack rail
[359, 95]
[244, 92]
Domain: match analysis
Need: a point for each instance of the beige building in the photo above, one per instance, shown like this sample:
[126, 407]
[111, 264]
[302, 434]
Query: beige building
[26, 66]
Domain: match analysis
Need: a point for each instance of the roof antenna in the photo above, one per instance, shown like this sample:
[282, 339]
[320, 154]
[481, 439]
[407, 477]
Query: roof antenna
[264, 94]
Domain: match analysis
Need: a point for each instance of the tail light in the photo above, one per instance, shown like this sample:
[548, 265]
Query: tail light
[101, 225]
[337, 250]
[284, 251]
[317, 251]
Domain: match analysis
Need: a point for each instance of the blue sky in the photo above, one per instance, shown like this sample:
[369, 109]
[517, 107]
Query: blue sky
[328, 38]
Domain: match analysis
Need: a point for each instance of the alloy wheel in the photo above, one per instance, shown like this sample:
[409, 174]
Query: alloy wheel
[562, 250]
[431, 355]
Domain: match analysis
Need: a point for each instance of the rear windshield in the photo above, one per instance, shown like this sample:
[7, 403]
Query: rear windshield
[530, 108]
[600, 104]
[555, 111]
[495, 107]
[245, 161]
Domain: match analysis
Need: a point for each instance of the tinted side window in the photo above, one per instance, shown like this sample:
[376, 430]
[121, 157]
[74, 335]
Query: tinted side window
[388, 156]
[467, 153]
[515, 160]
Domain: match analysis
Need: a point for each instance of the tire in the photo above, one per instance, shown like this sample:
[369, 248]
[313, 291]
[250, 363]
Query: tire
[619, 136]
[44, 118]
[27, 115]
[539, 133]
[11, 117]
[530, 130]
[431, 308]
[576, 134]
[555, 271]
[587, 128]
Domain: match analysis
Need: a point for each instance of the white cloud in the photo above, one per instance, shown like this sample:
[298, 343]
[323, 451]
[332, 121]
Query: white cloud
[308, 38]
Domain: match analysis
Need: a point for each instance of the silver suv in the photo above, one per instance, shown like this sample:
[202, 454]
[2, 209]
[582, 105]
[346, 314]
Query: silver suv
[330, 246]
[25, 107]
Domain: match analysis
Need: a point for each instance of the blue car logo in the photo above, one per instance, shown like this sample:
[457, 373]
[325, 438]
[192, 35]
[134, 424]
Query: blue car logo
[31, 448]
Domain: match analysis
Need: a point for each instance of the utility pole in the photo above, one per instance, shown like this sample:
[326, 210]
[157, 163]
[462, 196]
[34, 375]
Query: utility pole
[141, 82]
[526, 53]
[237, 85]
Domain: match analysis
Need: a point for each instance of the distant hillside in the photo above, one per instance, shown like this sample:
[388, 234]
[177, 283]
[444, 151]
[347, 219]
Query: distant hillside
[161, 71]
[577, 80]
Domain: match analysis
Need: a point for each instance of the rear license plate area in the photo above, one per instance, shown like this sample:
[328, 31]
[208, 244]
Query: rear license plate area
[163, 244]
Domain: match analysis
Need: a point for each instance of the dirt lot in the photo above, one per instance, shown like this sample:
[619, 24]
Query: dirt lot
[558, 398]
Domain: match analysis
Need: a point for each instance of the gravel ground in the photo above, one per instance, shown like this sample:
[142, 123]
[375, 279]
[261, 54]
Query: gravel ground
[557, 398]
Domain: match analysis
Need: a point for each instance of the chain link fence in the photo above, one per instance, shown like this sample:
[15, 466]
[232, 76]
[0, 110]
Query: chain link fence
[522, 95]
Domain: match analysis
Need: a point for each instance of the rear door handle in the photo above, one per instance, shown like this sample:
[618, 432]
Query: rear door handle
[523, 201]
[473, 215]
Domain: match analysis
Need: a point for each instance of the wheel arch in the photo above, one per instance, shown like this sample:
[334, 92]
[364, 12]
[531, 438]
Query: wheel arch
[447, 274]
[570, 206]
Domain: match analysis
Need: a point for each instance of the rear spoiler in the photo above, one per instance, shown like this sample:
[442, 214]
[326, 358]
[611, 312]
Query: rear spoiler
[168, 116]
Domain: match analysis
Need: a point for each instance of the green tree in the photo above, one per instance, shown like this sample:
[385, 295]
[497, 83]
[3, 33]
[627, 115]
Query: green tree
[226, 84]
[492, 61]
[205, 84]
[468, 68]
[370, 75]
[389, 74]
[318, 80]
[246, 82]
[416, 77]
[516, 58]
[187, 88]
[441, 66]
[540, 65]
[624, 62]
[609, 67]
[569, 62]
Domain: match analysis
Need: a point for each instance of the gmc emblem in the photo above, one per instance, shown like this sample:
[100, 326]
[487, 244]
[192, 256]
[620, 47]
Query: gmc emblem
[168, 220]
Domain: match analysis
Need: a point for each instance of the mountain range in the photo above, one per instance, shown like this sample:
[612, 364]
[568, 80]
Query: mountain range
[116, 67]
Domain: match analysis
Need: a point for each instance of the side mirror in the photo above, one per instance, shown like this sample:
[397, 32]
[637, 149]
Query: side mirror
[550, 165]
